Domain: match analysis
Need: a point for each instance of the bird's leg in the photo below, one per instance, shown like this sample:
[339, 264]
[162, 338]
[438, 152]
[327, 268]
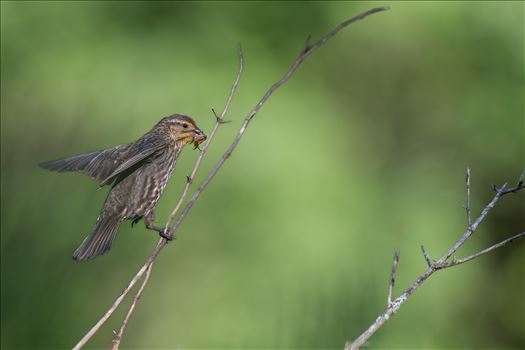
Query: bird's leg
[163, 231]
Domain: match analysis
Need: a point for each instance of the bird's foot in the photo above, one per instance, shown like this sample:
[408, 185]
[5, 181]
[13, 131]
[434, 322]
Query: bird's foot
[166, 234]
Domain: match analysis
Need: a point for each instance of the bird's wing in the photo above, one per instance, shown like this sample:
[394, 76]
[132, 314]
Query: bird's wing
[98, 164]
[137, 152]
[105, 165]
[75, 163]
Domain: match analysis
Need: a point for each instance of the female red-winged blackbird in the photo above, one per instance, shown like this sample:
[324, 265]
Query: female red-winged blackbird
[138, 173]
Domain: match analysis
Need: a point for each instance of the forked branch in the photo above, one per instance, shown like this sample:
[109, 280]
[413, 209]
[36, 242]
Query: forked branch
[118, 336]
[441, 263]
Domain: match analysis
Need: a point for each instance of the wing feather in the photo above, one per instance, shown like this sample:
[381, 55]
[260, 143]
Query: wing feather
[139, 152]
[105, 165]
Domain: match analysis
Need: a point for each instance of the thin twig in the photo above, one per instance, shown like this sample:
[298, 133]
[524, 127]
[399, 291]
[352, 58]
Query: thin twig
[425, 255]
[118, 336]
[220, 120]
[173, 228]
[442, 263]
[519, 186]
[392, 279]
[467, 205]
[456, 262]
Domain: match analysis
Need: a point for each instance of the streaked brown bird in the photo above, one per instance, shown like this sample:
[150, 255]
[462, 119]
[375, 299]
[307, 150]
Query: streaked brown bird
[137, 173]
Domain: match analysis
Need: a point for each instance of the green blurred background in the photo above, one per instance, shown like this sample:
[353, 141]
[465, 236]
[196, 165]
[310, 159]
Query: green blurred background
[362, 153]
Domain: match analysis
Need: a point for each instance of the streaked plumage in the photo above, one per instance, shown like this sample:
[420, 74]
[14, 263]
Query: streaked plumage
[138, 173]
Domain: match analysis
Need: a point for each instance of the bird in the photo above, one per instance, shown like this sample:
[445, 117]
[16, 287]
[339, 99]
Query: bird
[137, 173]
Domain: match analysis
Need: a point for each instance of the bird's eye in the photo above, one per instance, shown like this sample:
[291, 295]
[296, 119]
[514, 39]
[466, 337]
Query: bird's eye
[184, 126]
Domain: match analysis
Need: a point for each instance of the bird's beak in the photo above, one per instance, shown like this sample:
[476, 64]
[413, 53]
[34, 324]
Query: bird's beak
[198, 137]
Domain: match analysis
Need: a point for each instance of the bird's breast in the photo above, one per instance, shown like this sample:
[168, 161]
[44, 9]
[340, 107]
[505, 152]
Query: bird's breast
[150, 181]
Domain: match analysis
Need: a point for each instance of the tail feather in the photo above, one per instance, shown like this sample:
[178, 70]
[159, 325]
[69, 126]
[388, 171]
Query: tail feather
[99, 240]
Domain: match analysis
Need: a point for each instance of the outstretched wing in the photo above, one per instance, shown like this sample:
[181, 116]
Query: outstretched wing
[75, 163]
[97, 164]
[106, 164]
[138, 151]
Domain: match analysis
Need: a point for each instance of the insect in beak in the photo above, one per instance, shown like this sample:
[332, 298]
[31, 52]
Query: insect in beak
[198, 137]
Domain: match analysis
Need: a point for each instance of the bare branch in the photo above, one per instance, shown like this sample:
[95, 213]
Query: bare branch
[392, 279]
[173, 228]
[118, 336]
[442, 263]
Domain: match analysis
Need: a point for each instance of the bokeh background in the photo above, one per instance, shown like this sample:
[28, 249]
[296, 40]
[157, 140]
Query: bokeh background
[362, 153]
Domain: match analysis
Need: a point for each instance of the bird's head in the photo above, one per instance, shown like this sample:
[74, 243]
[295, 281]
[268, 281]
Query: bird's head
[182, 130]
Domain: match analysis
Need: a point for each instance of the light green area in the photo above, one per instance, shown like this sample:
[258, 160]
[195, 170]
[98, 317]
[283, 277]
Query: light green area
[362, 153]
